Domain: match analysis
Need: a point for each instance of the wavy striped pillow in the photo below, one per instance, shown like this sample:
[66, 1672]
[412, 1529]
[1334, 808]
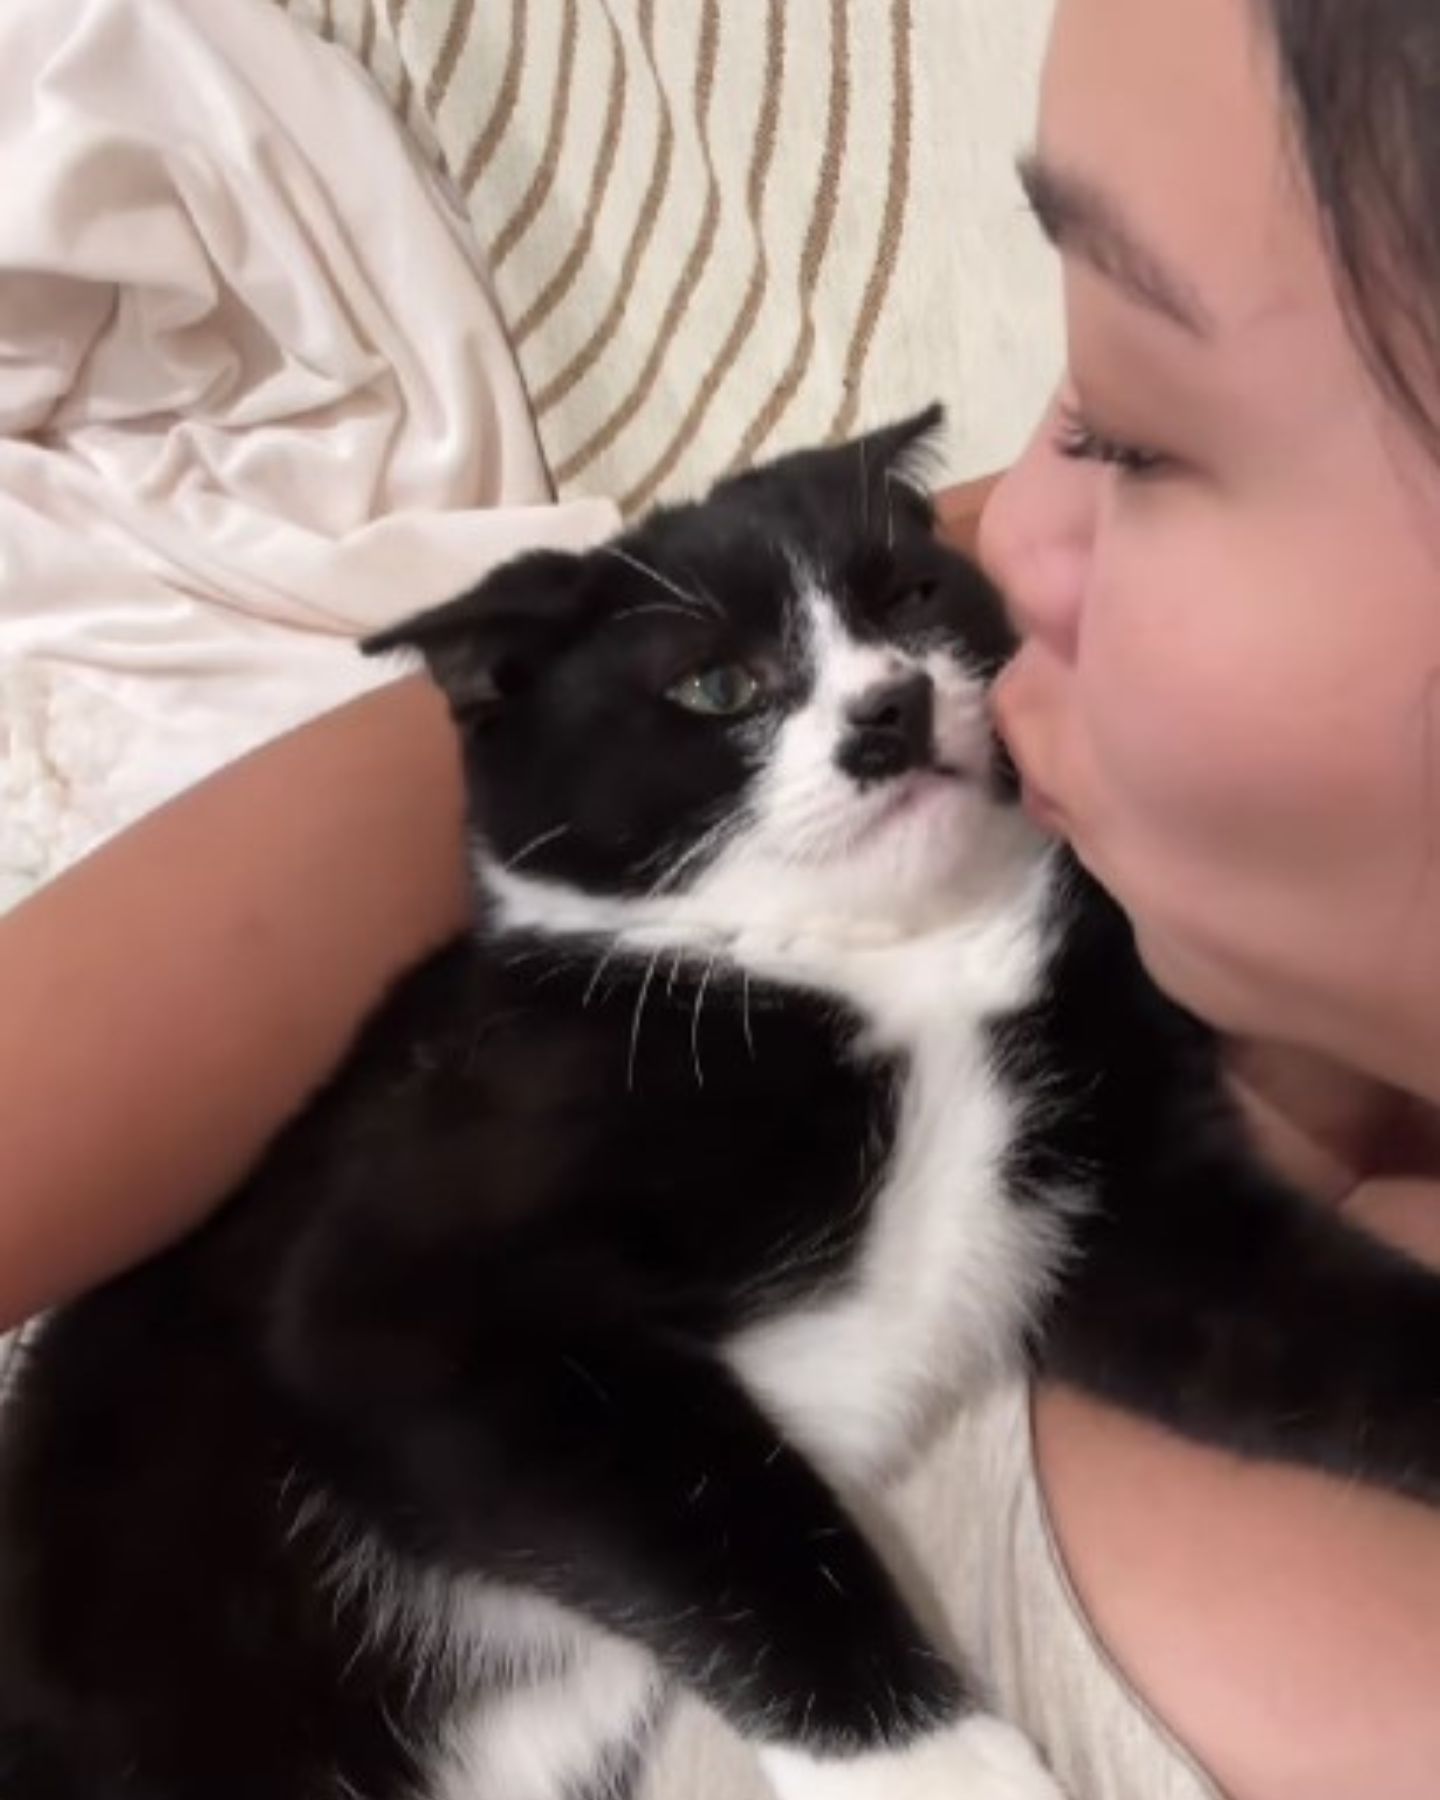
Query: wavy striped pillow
[718, 230]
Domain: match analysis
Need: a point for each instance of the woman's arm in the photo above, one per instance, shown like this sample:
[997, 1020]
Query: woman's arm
[1284, 1624]
[173, 998]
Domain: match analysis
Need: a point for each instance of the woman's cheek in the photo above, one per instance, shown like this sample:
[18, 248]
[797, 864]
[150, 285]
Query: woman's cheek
[1174, 718]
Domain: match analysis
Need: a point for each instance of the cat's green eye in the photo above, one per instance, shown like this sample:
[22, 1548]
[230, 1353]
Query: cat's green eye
[723, 692]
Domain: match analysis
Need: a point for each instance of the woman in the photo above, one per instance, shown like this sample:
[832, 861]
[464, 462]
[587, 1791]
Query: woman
[1224, 551]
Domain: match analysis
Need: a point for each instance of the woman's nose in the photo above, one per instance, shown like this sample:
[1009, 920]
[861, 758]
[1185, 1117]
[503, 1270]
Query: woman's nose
[1036, 536]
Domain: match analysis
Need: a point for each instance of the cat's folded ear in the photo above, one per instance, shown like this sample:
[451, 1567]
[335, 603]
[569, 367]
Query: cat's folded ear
[486, 646]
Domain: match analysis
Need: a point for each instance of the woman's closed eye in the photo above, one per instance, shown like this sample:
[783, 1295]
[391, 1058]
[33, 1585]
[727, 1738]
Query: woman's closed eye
[1077, 439]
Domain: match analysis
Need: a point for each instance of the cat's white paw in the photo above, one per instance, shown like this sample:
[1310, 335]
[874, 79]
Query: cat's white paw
[982, 1758]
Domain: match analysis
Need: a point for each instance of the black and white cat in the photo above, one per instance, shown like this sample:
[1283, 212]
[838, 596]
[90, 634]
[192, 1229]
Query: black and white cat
[789, 1083]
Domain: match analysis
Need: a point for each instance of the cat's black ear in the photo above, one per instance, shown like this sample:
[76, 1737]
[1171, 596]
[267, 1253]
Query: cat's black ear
[894, 462]
[486, 646]
[908, 448]
[906, 454]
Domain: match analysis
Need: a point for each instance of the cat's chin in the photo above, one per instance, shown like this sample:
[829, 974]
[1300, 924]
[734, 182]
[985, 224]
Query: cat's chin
[924, 871]
[921, 798]
[938, 831]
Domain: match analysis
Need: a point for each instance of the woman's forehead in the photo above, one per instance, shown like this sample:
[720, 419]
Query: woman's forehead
[1166, 122]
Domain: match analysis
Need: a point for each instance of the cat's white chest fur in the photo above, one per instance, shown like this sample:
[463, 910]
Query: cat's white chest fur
[953, 1268]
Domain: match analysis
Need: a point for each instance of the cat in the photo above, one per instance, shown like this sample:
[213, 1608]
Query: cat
[790, 1087]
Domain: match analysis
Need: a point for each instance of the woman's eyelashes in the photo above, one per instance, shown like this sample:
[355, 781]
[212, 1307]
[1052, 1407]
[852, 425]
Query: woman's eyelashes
[1077, 439]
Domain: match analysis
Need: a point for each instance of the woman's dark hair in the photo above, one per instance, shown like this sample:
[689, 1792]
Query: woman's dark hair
[1363, 79]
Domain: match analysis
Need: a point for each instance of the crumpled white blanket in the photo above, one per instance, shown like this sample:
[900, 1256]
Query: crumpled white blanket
[254, 400]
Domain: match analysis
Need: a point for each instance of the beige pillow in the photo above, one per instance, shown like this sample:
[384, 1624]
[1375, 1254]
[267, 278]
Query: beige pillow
[720, 228]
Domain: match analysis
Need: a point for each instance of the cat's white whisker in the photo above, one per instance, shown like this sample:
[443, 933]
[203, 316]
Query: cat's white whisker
[599, 971]
[710, 841]
[695, 1019]
[702, 602]
[703, 593]
[890, 479]
[641, 998]
[536, 843]
[598, 974]
[658, 606]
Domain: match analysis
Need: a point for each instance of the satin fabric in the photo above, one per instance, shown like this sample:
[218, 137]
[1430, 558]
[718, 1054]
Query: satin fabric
[254, 400]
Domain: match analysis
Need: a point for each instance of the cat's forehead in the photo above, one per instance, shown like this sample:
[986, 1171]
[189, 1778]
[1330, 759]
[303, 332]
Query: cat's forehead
[724, 561]
[766, 567]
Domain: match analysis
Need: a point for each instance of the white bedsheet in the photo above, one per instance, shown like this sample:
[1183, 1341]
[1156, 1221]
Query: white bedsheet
[254, 400]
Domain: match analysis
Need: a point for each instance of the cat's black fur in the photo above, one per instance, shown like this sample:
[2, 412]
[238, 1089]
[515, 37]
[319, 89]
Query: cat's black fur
[470, 1304]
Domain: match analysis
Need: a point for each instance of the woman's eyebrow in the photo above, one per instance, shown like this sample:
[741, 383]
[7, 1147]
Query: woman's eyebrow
[1081, 218]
